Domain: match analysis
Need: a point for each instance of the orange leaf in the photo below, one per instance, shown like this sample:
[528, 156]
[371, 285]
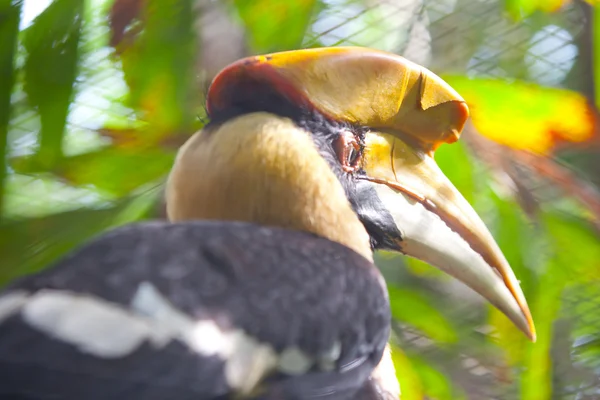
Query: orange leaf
[527, 170]
[142, 138]
[525, 116]
[122, 14]
[125, 138]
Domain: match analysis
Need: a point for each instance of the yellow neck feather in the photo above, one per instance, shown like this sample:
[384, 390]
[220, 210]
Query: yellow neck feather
[264, 169]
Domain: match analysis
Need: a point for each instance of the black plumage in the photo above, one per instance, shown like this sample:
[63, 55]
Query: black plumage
[282, 287]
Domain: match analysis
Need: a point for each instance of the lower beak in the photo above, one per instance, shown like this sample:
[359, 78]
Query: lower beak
[438, 225]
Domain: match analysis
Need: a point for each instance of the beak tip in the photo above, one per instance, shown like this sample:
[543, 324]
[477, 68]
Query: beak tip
[531, 333]
[463, 114]
[532, 336]
[526, 324]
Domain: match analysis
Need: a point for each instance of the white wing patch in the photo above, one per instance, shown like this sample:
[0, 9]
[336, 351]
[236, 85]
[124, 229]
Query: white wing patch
[329, 359]
[109, 330]
[149, 302]
[93, 325]
[249, 362]
[205, 337]
[294, 361]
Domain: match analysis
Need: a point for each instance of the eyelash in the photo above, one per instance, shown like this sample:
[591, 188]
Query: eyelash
[348, 151]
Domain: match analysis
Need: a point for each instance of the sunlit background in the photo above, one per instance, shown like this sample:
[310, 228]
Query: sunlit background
[104, 92]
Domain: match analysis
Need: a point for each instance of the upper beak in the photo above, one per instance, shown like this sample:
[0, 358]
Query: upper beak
[438, 225]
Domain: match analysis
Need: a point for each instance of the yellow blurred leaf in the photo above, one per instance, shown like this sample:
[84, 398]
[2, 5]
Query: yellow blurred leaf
[436, 384]
[510, 340]
[519, 9]
[410, 383]
[419, 379]
[536, 381]
[525, 116]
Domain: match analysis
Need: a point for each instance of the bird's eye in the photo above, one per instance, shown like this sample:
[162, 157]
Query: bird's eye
[348, 151]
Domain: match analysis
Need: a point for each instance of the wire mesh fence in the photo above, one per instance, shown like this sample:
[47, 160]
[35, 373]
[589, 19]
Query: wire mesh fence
[472, 37]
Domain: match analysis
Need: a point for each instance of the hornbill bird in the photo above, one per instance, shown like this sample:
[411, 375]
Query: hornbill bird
[262, 284]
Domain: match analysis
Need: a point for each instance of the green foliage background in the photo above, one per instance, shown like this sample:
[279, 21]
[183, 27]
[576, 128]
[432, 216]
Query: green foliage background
[88, 133]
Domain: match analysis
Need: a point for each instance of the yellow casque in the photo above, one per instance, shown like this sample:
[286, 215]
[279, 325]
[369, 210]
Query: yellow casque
[352, 84]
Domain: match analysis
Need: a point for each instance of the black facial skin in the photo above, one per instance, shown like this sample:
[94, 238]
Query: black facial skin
[325, 132]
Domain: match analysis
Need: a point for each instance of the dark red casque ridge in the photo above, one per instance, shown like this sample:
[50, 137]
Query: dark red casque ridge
[246, 77]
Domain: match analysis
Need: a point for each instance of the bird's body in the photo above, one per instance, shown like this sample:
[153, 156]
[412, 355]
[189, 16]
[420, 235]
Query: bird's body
[177, 318]
[312, 160]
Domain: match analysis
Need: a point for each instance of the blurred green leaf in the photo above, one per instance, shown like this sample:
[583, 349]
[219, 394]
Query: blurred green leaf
[579, 246]
[29, 245]
[525, 116]
[567, 368]
[140, 138]
[435, 383]
[516, 236]
[543, 278]
[43, 194]
[159, 68]
[415, 309]
[50, 71]
[585, 300]
[118, 171]
[424, 270]
[275, 25]
[543, 290]
[589, 348]
[516, 239]
[10, 12]
[457, 165]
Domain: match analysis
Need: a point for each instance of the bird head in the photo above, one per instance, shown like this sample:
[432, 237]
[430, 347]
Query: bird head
[340, 142]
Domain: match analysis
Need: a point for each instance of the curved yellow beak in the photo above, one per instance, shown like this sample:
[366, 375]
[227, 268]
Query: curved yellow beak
[437, 225]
